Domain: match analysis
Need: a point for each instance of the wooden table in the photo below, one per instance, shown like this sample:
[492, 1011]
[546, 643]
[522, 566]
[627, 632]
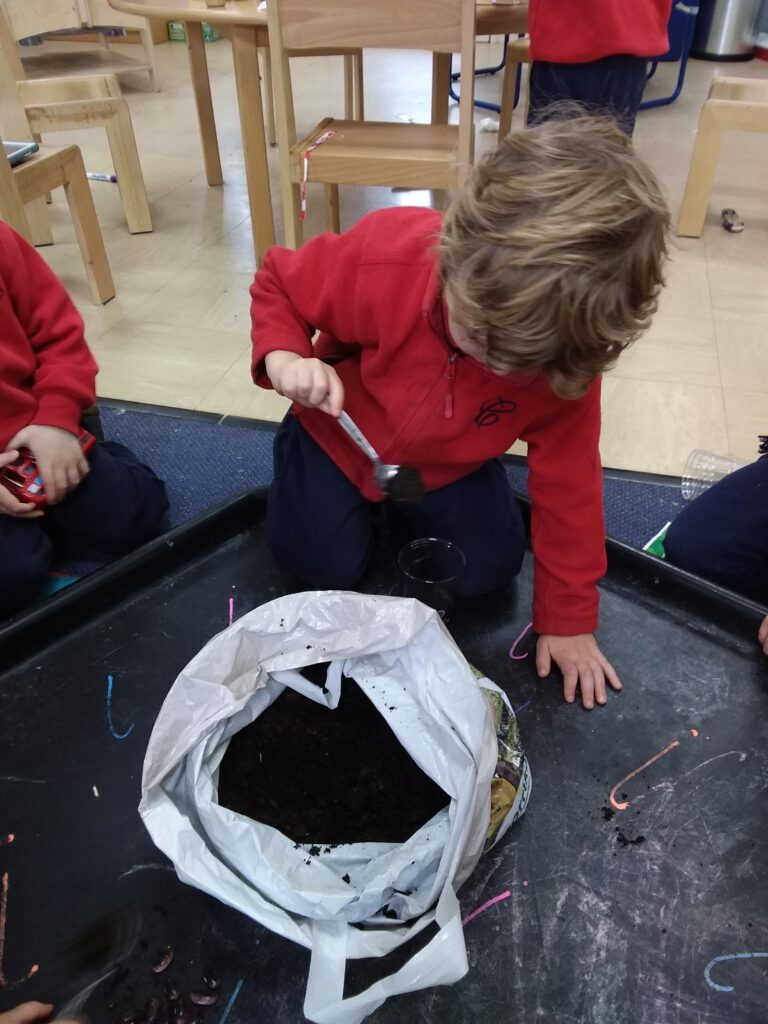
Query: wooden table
[246, 27]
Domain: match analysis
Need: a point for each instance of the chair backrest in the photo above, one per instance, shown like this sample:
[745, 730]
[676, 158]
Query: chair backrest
[435, 26]
[9, 53]
[35, 17]
[14, 125]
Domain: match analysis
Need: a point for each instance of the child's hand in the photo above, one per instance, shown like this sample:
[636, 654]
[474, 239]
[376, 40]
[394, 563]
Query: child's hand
[11, 506]
[59, 458]
[581, 662]
[310, 382]
[762, 635]
[28, 1013]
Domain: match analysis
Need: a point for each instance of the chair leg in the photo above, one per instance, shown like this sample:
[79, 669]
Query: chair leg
[508, 84]
[269, 94]
[357, 61]
[292, 228]
[349, 87]
[701, 174]
[87, 228]
[130, 180]
[149, 53]
[39, 221]
[441, 84]
[332, 212]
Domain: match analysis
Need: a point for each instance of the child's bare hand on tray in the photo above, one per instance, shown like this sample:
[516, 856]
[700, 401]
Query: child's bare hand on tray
[11, 506]
[28, 1013]
[762, 635]
[59, 458]
[582, 663]
[309, 382]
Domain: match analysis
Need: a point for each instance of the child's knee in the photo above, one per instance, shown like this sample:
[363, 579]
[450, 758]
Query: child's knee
[25, 569]
[319, 566]
[492, 571]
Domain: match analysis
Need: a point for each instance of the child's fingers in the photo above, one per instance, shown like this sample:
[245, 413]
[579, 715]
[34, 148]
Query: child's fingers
[8, 458]
[543, 660]
[762, 634]
[610, 674]
[335, 400]
[26, 1013]
[570, 682]
[586, 685]
[599, 677]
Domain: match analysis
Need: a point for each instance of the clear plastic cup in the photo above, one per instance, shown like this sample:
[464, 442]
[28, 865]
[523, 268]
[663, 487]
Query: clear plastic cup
[429, 571]
[705, 468]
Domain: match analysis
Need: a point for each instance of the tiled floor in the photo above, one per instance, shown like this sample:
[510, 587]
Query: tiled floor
[177, 332]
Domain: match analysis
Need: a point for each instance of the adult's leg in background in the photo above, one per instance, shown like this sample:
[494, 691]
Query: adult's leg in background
[319, 525]
[119, 505]
[612, 85]
[723, 534]
[25, 559]
[480, 514]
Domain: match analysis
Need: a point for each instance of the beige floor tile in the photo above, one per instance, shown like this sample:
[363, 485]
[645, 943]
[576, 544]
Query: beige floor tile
[675, 349]
[162, 364]
[201, 298]
[236, 395]
[743, 348]
[739, 290]
[652, 427]
[746, 419]
[687, 289]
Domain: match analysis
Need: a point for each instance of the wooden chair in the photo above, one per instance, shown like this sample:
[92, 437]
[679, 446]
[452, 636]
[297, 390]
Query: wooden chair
[733, 104]
[86, 101]
[32, 180]
[47, 170]
[435, 156]
[518, 53]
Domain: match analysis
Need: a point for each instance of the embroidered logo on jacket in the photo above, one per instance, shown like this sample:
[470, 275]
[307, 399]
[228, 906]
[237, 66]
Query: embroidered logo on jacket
[492, 410]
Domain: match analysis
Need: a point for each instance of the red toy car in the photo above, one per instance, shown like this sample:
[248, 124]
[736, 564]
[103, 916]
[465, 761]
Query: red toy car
[22, 478]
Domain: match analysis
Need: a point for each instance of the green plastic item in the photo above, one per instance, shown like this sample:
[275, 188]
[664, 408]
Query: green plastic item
[655, 545]
[176, 32]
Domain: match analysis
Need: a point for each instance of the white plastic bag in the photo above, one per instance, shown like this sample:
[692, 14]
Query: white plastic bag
[402, 656]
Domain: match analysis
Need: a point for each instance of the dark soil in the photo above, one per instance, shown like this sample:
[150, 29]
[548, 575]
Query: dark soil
[327, 777]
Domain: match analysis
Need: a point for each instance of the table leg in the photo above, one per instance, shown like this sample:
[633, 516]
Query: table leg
[441, 84]
[201, 87]
[245, 52]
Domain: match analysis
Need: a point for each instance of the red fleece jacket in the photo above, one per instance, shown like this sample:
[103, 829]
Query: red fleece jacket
[47, 373]
[373, 294]
[577, 31]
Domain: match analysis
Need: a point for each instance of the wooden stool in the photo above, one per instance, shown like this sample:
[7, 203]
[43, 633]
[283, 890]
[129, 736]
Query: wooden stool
[733, 104]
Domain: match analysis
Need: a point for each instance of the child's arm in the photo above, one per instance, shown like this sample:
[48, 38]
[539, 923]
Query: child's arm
[299, 292]
[568, 536]
[762, 635]
[63, 381]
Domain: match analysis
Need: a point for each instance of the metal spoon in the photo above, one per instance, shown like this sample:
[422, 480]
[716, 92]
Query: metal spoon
[396, 482]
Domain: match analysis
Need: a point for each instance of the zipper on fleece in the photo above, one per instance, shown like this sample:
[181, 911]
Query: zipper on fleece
[450, 374]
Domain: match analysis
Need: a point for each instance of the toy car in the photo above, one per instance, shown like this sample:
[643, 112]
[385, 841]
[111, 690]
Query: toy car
[22, 478]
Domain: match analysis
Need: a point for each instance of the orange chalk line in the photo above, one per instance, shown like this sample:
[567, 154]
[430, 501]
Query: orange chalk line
[621, 806]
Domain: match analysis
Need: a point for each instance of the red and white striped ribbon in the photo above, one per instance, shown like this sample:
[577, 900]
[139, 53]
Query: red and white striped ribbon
[318, 142]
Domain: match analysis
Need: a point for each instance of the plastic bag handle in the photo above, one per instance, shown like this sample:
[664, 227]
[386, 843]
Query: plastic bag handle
[441, 962]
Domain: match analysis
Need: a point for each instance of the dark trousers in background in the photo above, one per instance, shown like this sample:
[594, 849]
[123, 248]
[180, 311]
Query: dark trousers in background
[322, 530]
[118, 506]
[723, 534]
[612, 85]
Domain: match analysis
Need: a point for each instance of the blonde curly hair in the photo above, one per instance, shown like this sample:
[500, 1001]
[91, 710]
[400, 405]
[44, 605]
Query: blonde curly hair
[553, 253]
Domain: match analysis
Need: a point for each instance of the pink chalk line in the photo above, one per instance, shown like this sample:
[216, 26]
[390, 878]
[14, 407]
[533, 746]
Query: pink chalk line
[513, 648]
[231, 609]
[496, 899]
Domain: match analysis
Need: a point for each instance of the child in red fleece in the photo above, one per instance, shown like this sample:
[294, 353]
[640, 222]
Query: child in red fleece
[106, 502]
[446, 339]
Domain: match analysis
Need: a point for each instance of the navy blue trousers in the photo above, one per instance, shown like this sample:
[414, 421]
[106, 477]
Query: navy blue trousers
[612, 85]
[119, 505]
[723, 534]
[322, 530]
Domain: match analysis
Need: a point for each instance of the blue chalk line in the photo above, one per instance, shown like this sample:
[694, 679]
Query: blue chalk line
[117, 735]
[231, 1002]
[721, 959]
